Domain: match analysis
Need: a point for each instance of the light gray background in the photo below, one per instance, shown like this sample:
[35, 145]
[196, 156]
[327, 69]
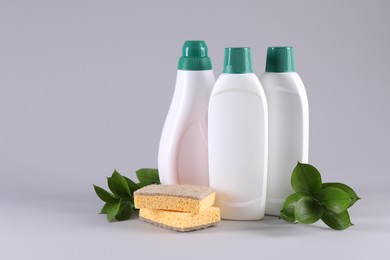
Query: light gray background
[85, 87]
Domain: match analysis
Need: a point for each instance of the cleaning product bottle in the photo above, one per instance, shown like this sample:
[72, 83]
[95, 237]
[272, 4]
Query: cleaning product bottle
[288, 124]
[238, 139]
[183, 155]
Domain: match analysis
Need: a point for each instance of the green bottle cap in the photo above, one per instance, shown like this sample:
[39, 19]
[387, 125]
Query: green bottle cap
[280, 59]
[237, 61]
[194, 56]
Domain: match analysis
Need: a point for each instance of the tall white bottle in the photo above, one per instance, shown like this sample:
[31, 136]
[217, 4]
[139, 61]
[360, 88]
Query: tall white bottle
[238, 139]
[183, 154]
[288, 124]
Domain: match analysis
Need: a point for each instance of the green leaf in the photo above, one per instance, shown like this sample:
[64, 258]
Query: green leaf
[334, 199]
[112, 210]
[306, 178]
[106, 206]
[147, 176]
[105, 195]
[120, 205]
[118, 185]
[307, 210]
[132, 185]
[287, 217]
[125, 210]
[352, 195]
[337, 221]
[288, 206]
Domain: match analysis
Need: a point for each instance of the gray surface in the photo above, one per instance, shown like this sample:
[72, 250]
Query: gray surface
[85, 87]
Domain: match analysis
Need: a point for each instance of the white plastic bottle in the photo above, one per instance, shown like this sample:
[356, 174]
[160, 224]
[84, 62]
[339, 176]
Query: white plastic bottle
[238, 138]
[183, 154]
[288, 124]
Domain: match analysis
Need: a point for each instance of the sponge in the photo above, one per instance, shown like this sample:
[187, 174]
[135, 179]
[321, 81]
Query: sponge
[186, 198]
[181, 221]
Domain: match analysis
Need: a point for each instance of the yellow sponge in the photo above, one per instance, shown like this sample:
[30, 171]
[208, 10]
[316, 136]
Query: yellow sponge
[186, 198]
[181, 221]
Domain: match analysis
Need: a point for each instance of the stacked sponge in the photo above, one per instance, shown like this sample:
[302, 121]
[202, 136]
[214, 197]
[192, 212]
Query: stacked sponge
[177, 207]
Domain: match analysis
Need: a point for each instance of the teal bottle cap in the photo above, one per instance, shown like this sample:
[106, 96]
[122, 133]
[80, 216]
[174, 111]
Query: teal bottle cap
[237, 61]
[194, 56]
[280, 59]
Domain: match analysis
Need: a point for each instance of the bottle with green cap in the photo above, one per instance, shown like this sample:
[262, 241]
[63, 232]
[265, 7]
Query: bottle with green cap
[238, 139]
[183, 154]
[288, 124]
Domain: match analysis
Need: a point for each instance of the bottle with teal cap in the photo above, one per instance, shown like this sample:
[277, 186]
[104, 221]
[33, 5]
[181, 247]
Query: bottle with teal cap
[183, 154]
[288, 124]
[238, 139]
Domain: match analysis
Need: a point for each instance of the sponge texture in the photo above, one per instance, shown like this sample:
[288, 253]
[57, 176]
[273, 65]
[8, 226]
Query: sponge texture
[185, 198]
[181, 221]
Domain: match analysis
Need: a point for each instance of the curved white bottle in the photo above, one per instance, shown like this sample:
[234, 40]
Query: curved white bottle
[183, 154]
[288, 124]
[238, 138]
